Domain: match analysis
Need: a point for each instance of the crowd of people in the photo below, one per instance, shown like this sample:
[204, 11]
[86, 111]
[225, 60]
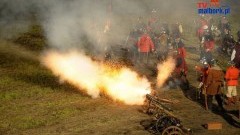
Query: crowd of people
[213, 77]
[162, 40]
[155, 38]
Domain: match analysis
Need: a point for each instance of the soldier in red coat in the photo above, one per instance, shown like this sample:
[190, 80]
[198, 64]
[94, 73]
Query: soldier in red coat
[179, 46]
[180, 73]
[145, 45]
[178, 77]
[202, 26]
[181, 69]
[207, 49]
[209, 44]
[231, 76]
[181, 66]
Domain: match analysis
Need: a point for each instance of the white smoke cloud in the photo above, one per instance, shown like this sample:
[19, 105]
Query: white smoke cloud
[65, 23]
[94, 77]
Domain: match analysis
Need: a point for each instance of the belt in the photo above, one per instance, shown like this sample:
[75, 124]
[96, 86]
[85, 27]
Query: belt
[217, 81]
[232, 79]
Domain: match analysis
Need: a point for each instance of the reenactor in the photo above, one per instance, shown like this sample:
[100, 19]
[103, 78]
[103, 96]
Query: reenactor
[213, 85]
[228, 44]
[203, 70]
[145, 46]
[202, 25]
[231, 76]
[224, 25]
[207, 48]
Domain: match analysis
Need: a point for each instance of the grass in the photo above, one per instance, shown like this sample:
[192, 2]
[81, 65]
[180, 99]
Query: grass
[34, 102]
[27, 92]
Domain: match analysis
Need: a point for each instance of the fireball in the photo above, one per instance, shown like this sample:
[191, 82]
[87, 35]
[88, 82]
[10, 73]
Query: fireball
[164, 71]
[94, 77]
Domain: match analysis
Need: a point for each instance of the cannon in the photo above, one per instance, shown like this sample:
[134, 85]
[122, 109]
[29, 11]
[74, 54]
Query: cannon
[165, 122]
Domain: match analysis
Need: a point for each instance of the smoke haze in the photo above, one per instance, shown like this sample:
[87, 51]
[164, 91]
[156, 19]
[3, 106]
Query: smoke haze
[65, 22]
[69, 24]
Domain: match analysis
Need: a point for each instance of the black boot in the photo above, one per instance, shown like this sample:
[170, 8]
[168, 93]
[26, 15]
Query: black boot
[209, 101]
[220, 103]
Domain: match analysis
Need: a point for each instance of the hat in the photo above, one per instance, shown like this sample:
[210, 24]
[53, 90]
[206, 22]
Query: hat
[213, 62]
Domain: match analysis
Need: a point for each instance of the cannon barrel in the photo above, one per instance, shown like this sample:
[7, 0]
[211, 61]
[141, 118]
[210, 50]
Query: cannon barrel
[157, 102]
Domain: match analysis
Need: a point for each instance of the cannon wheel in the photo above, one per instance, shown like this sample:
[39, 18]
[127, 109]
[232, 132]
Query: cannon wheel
[172, 130]
[166, 121]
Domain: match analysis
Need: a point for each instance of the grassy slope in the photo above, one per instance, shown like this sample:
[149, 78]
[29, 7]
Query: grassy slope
[32, 101]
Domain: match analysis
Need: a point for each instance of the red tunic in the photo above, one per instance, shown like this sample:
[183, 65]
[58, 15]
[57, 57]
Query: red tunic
[182, 67]
[209, 45]
[182, 52]
[145, 43]
[231, 76]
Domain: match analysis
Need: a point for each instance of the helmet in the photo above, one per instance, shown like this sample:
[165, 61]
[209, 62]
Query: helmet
[178, 39]
[213, 62]
[203, 60]
[205, 65]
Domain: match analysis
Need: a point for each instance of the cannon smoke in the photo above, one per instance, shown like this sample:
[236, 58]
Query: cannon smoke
[164, 71]
[121, 85]
[68, 25]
